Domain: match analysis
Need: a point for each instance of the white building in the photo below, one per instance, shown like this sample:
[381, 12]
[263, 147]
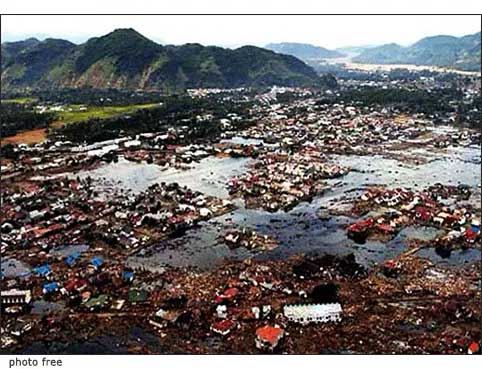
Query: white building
[318, 313]
[14, 296]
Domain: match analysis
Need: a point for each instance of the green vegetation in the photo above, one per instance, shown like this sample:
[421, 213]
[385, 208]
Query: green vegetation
[124, 59]
[59, 107]
[31, 64]
[20, 100]
[130, 51]
[176, 112]
[19, 117]
[79, 113]
[87, 96]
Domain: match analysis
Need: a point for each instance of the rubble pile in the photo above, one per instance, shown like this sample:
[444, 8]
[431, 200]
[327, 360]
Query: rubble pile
[398, 208]
[326, 303]
[249, 239]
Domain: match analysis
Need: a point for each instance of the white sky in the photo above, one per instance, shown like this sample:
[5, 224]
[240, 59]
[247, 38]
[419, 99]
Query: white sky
[231, 31]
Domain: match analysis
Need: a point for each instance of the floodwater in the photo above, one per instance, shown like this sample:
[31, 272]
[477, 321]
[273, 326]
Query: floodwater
[457, 166]
[243, 141]
[249, 141]
[300, 230]
[208, 176]
[422, 233]
[132, 342]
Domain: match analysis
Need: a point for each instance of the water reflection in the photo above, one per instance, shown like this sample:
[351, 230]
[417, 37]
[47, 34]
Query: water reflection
[300, 230]
[208, 176]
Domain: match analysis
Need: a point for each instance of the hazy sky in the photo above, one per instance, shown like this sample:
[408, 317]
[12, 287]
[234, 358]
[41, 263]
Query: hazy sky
[232, 31]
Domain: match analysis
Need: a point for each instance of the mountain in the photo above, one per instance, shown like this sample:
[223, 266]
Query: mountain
[303, 51]
[12, 49]
[32, 61]
[126, 59]
[447, 51]
[351, 51]
[384, 54]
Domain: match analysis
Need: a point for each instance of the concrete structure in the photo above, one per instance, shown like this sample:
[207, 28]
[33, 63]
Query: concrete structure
[317, 313]
[16, 297]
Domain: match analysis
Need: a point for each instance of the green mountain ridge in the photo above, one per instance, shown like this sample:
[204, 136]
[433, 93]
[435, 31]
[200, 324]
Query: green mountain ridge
[126, 59]
[445, 51]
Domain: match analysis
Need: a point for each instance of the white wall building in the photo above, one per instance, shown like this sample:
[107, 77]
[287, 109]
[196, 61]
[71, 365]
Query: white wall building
[318, 313]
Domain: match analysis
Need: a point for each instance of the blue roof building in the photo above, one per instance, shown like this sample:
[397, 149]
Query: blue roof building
[97, 262]
[128, 276]
[43, 270]
[72, 258]
[50, 287]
